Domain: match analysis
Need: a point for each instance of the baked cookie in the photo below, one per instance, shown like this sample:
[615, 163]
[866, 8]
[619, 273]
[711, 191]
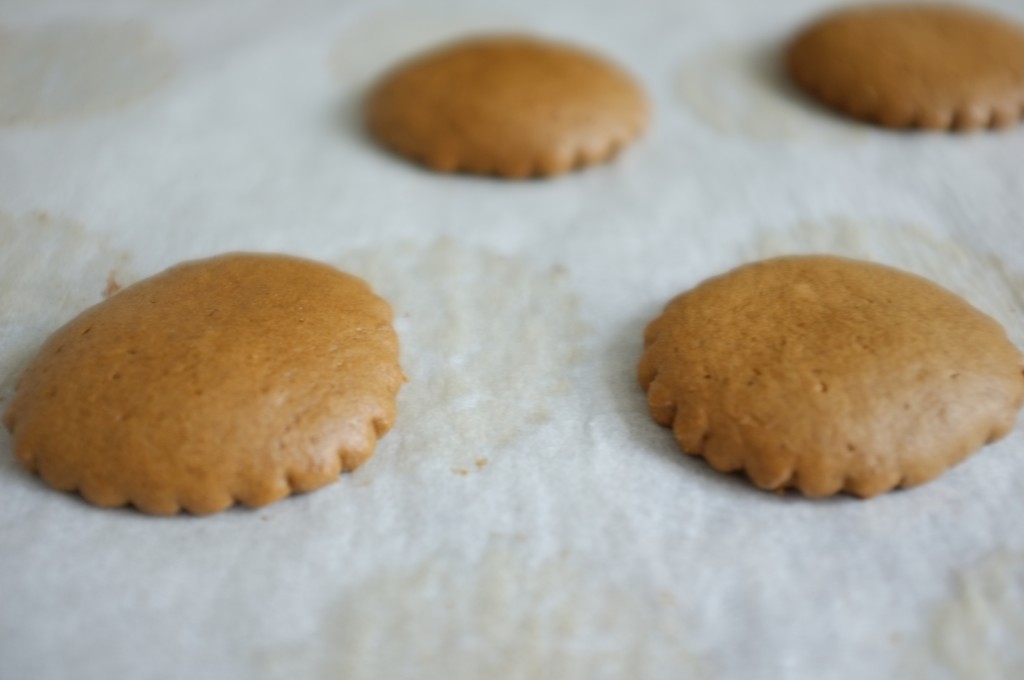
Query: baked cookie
[510, 106]
[242, 377]
[828, 374]
[930, 66]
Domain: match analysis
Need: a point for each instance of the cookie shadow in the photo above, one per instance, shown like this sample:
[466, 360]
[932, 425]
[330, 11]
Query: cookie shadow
[10, 468]
[768, 67]
[348, 119]
[630, 403]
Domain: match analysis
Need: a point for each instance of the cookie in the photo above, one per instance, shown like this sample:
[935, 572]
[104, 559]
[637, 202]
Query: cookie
[828, 374]
[902, 66]
[242, 377]
[510, 106]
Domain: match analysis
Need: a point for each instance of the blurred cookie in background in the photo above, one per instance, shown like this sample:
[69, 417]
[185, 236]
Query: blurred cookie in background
[939, 67]
[511, 106]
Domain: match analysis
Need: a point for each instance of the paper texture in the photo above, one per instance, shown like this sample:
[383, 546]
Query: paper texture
[525, 518]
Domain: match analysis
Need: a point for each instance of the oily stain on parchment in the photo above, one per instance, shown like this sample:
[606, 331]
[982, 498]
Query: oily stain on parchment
[51, 268]
[982, 278]
[977, 632]
[381, 39]
[503, 616]
[743, 91]
[64, 71]
[489, 345]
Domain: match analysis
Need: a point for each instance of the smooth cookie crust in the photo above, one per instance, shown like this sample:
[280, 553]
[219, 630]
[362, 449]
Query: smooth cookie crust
[938, 67]
[242, 377]
[511, 106]
[828, 374]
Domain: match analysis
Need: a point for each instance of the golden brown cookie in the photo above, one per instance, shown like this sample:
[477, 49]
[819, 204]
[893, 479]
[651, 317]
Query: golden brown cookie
[930, 66]
[828, 374]
[510, 106]
[242, 377]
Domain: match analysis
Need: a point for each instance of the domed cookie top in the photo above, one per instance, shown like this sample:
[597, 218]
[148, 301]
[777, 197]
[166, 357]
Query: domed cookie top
[931, 66]
[828, 374]
[236, 378]
[509, 106]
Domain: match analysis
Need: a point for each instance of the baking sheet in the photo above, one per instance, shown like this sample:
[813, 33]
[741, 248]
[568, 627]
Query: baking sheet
[525, 518]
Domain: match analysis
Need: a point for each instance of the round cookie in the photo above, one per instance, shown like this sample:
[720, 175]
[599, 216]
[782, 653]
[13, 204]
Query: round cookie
[506, 105]
[828, 374]
[242, 377]
[929, 66]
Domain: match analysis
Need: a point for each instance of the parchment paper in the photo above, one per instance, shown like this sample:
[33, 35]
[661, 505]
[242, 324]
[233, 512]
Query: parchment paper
[525, 518]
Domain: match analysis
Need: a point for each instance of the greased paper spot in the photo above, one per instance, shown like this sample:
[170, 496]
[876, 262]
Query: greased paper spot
[742, 91]
[489, 344]
[506, 616]
[381, 39]
[51, 268]
[64, 71]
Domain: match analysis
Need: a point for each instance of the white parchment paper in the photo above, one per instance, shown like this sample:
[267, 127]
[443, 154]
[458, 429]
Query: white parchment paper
[525, 518]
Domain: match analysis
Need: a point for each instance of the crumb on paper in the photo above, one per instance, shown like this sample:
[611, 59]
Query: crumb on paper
[462, 472]
[481, 463]
[113, 286]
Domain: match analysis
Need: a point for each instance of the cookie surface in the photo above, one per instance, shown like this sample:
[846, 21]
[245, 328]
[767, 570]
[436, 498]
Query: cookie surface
[929, 66]
[828, 374]
[506, 105]
[241, 377]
